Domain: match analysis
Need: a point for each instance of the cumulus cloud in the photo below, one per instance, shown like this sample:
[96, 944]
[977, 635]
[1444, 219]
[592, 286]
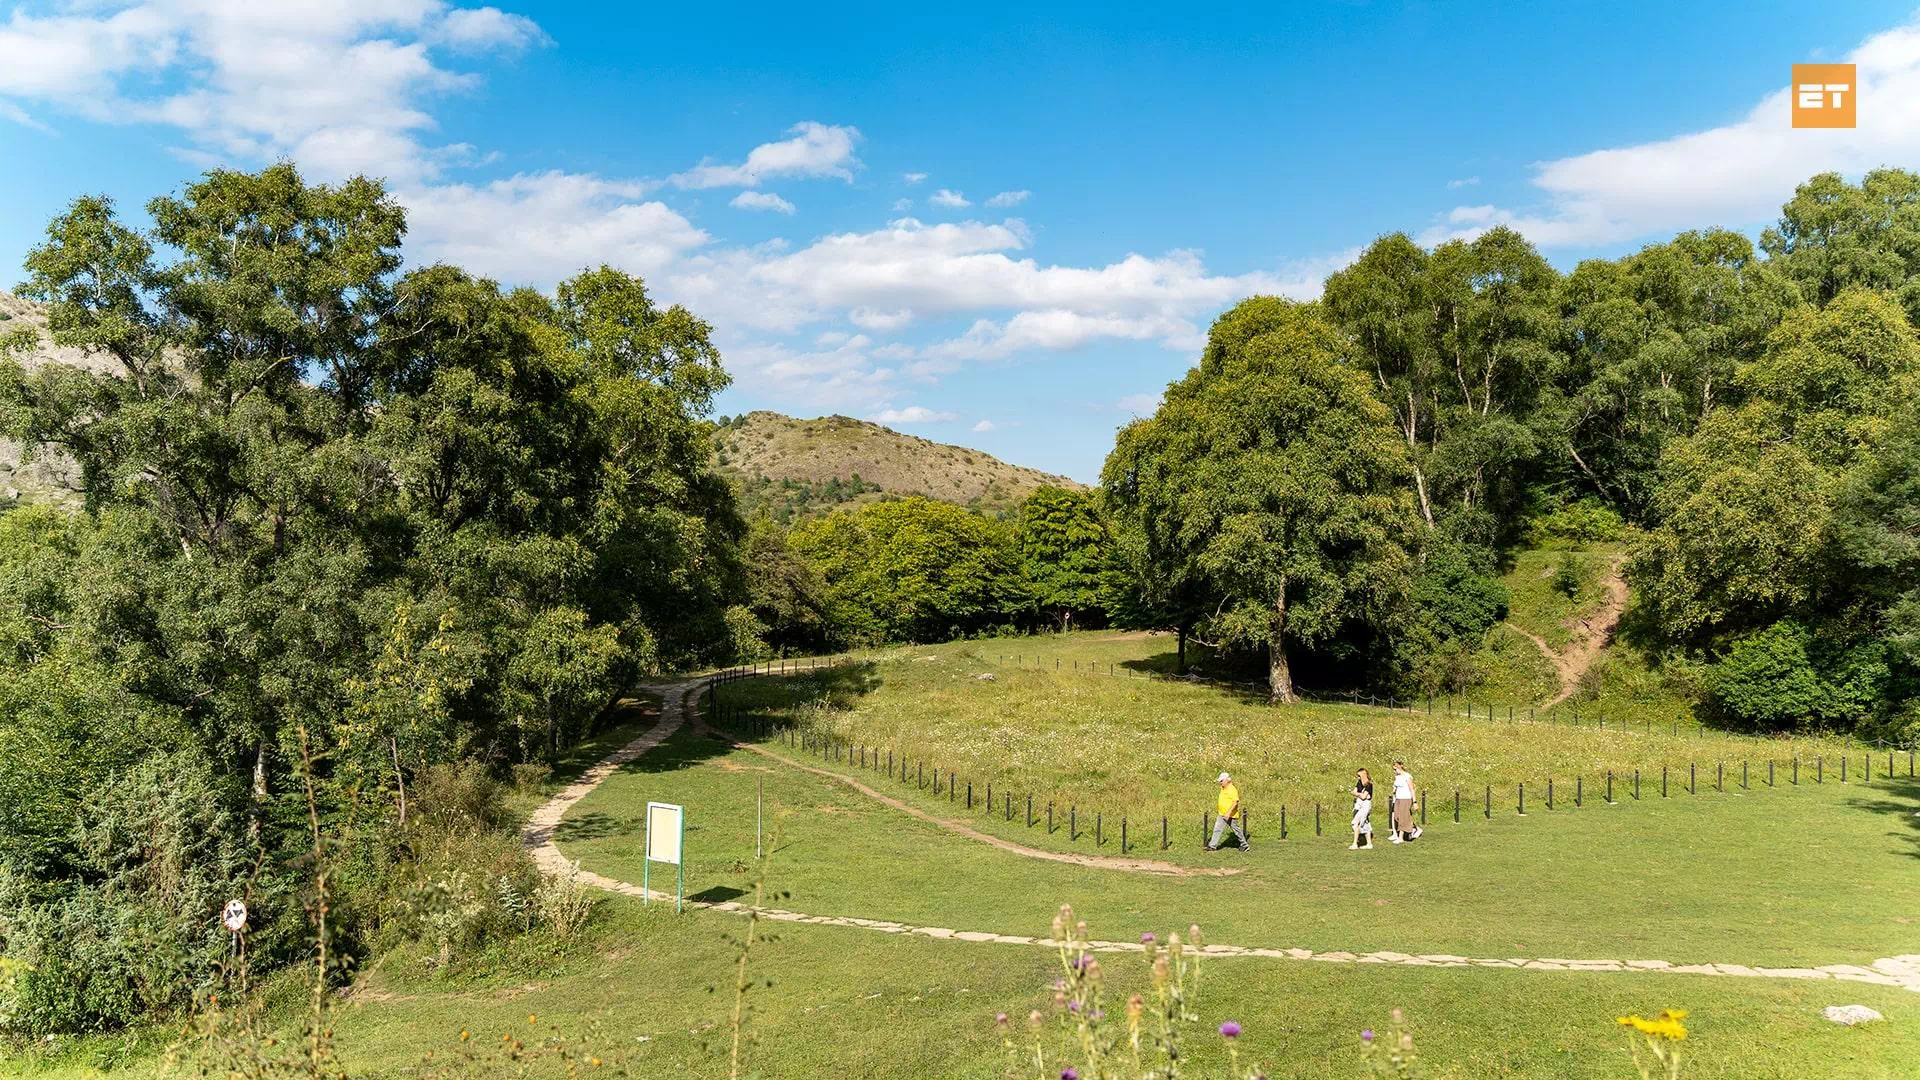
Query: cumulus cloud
[539, 228]
[983, 425]
[1465, 181]
[1009, 198]
[761, 200]
[953, 199]
[488, 29]
[912, 414]
[901, 206]
[812, 149]
[914, 177]
[1734, 175]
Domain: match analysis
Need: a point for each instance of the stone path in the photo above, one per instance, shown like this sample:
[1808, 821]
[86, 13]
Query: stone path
[1898, 971]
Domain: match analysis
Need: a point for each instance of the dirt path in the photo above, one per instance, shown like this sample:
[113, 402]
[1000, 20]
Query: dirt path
[1897, 971]
[1589, 636]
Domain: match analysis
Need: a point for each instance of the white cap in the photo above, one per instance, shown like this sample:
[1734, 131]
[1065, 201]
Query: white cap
[1223, 778]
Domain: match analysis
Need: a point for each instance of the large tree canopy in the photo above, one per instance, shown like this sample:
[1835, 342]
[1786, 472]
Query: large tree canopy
[395, 519]
[1273, 478]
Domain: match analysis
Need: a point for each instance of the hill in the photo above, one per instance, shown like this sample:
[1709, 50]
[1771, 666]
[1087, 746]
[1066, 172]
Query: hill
[802, 468]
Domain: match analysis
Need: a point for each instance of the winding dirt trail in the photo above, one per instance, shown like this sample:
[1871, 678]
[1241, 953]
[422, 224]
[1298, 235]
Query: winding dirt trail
[1589, 636]
[1897, 971]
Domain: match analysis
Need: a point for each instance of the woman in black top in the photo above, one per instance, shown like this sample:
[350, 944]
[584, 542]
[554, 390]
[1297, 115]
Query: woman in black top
[1362, 811]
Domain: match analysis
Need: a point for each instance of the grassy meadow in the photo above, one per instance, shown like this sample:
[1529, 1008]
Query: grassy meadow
[1782, 877]
[1074, 720]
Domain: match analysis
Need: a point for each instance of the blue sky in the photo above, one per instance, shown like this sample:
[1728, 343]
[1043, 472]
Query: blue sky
[984, 226]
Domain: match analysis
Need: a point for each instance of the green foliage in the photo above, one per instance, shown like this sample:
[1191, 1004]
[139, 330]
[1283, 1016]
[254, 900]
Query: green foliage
[403, 518]
[1271, 479]
[1454, 600]
[1569, 575]
[1786, 677]
[1584, 521]
[1065, 554]
[912, 570]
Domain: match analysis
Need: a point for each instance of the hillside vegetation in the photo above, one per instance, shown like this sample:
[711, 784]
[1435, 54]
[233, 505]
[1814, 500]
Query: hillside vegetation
[52, 476]
[802, 468]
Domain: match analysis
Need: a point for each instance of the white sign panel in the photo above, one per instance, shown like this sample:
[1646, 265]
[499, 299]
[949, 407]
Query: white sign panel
[234, 915]
[664, 824]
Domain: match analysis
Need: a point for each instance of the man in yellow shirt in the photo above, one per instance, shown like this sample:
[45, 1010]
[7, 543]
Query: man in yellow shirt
[1229, 807]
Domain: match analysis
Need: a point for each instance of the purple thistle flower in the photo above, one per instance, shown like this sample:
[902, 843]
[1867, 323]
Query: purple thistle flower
[1230, 1029]
[1147, 939]
[1366, 1035]
[1000, 1019]
[1081, 962]
[1073, 1006]
[1069, 1073]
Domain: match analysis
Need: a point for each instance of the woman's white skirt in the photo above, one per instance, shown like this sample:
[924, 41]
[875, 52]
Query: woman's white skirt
[1363, 815]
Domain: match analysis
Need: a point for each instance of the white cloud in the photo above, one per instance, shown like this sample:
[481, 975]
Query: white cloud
[1057, 329]
[869, 319]
[538, 228]
[761, 200]
[489, 28]
[912, 414]
[338, 87]
[834, 375]
[901, 206]
[915, 177]
[10, 111]
[953, 199]
[1734, 175]
[1139, 404]
[1465, 181]
[812, 149]
[1009, 198]
[983, 425]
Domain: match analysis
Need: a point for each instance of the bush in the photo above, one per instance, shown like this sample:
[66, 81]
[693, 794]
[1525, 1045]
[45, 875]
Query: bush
[461, 797]
[529, 776]
[565, 901]
[1786, 677]
[1587, 521]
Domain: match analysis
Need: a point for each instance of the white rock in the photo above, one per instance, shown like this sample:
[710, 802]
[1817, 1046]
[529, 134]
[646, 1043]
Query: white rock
[1850, 1014]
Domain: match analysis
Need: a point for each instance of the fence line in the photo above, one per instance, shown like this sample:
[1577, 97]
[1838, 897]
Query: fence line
[833, 749]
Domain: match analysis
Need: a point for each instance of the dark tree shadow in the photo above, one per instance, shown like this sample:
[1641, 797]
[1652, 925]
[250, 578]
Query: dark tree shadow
[1900, 799]
[719, 894]
[592, 825]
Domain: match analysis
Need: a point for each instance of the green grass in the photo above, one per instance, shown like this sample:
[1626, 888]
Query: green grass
[1539, 607]
[1055, 724]
[1814, 875]
[847, 1003]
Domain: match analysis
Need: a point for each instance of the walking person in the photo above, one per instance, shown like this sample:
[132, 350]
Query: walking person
[1403, 827]
[1229, 807]
[1362, 811]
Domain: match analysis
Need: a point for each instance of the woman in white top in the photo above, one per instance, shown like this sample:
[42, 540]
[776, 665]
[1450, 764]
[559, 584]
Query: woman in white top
[1362, 811]
[1403, 827]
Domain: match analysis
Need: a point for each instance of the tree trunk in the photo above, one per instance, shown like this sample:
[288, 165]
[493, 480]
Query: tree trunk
[399, 776]
[1279, 675]
[259, 790]
[1180, 661]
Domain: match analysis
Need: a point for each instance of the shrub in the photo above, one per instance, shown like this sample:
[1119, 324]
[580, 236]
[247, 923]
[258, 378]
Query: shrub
[529, 776]
[461, 797]
[565, 901]
[1587, 521]
[1786, 677]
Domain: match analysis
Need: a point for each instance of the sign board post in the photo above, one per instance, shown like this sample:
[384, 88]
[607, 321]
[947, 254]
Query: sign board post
[665, 838]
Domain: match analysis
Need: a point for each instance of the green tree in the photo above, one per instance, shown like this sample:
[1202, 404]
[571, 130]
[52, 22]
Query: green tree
[1272, 476]
[1064, 553]
[1833, 236]
[913, 570]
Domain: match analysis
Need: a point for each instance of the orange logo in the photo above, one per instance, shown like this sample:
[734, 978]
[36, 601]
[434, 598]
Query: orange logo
[1824, 95]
